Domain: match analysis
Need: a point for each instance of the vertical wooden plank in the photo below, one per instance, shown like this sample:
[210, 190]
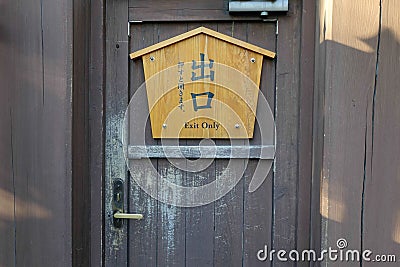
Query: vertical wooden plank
[41, 116]
[199, 234]
[25, 134]
[57, 109]
[348, 84]
[171, 249]
[143, 235]
[381, 221]
[305, 218]
[116, 100]
[96, 130]
[229, 209]
[258, 205]
[317, 132]
[7, 192]
[7, 197]
[38, 69]
[287, 120]
[171, 222]
[316, 239]
[200, 222]
[80, 136]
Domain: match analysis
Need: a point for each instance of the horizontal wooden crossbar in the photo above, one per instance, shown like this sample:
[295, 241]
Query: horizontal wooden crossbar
[206, 152]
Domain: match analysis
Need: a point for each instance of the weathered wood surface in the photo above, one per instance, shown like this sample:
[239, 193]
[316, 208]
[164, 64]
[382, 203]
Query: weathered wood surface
[381, 214]
[231, 242]
[171, 224]
[176, 10]
[143, 235]
[358, 82]
[7, 179]
[188, 231]
[96, 131]
[36, 115]
[258, 205]
[199, 244]
[287, 119]
[206, 152]
[81, 203]
[242, 223]
[116, 99]
[349, 81]
[308, 217]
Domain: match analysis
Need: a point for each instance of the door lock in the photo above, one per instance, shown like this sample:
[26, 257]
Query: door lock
[118, 205]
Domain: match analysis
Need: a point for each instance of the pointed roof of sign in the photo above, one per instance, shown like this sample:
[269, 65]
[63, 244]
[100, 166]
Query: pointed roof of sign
[206, 31]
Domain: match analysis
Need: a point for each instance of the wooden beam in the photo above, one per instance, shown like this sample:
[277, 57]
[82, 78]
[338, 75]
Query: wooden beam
[206, 152]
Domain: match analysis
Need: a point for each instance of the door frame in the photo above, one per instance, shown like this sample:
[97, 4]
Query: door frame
[105, 31]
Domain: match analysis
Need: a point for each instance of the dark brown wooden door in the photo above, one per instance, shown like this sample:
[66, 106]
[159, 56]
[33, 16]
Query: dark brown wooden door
[227, 232]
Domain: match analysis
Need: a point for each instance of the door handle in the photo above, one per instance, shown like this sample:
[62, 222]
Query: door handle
[133, 216]
[118, 205]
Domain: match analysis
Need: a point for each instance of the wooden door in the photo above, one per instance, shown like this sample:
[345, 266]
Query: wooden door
[231, 230]
[225, 232]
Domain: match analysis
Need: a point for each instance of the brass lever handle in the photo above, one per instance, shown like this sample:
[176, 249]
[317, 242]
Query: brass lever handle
[120, 215]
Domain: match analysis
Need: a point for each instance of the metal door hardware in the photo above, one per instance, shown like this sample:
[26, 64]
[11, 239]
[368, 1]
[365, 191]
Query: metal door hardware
[133, 216]
[118, 205]
[262, 6]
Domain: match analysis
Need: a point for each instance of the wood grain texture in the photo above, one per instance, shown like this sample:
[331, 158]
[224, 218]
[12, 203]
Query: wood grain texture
[38, 63]
[171, 246]
[238, 93]
[186, 11]
[170, 232]
[96, 131]
[206, 152]
[349, 77]
[241, 223]
[308, 217]
[116, 100]
[228, 225]
[7, 179]
[143, 235]
[80, 136]
[381, 216]
[200, 221]
[287, 121]
[258, 205]
[318, 238]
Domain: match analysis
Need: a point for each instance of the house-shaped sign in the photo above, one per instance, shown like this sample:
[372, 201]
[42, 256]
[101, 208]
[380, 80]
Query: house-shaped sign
[202, 84]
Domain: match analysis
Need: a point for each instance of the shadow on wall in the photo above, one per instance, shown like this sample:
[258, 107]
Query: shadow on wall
[361, 170]
[35, 134]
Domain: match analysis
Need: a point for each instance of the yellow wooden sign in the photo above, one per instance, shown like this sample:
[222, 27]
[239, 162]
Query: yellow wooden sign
[202, 84]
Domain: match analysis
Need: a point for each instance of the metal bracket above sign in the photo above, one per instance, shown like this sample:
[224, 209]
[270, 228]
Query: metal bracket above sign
[261, 6]
[206, 152]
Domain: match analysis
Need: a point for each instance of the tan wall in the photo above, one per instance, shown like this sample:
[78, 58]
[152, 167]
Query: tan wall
[357, 96]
